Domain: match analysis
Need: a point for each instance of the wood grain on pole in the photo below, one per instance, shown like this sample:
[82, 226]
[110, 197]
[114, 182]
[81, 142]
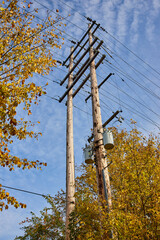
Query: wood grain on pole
[70, 174]
[98, 131]
[88, 76]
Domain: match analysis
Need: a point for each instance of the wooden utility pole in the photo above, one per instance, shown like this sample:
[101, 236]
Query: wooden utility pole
[101, 163]
[70, 175]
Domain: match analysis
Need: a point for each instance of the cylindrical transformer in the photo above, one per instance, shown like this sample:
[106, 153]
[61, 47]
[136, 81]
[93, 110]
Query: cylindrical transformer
[108, 140]
[88, 155]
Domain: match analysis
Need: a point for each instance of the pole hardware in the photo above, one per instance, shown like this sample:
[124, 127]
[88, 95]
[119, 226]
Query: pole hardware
[100, 85]
[82, 47]
[78, 77]
[78, 72]
[120, 119]
[73, 42]
[99, 45]
[88, 76]
[104, 124]
[98, 145]
[78, 43]
[108, 165]
[78, 62]
[111, 118]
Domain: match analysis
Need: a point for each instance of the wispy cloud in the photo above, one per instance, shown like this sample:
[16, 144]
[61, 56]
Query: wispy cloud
[135, 24]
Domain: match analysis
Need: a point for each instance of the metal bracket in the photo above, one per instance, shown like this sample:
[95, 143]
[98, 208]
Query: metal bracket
[108, 164]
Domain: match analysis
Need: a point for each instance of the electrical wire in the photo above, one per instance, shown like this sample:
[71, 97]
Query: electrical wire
[26, 191]
[131, 51]
[59, 15]
[107, 33]
[122, 50]
[129, 77]
[128, 120]
[132, 97]
[133, 111]
[144, 105]
[128, 106]
[128, 85]
[115, 68]
[72, 9]
[119, 43]
[55, 13]
[82, 110]
[134, 69]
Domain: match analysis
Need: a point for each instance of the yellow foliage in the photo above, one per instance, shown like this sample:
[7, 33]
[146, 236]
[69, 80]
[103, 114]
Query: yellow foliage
[135, 184]
[24, 51]
[135, 215]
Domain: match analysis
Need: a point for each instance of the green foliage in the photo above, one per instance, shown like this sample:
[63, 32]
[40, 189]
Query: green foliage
[50, 225]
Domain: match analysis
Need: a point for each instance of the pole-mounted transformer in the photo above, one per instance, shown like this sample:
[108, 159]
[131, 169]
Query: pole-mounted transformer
[108, 145]
[88, 154]
[108, 140]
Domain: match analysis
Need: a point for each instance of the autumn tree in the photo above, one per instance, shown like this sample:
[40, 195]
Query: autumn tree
[49, 225]
[25, 51]
[134, 167]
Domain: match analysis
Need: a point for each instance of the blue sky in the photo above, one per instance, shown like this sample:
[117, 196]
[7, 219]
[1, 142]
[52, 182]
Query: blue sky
[135, 23]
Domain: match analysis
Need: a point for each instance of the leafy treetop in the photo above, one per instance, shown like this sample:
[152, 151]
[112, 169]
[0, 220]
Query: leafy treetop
[25, 50]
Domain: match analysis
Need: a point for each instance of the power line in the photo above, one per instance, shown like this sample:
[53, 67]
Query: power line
[131, 79]
[126, 74]
[105, 32]
[139, 63]
[129, 124]
[53, 98]
[124, 52]
[146, 106]
[128, 77]
[133, 111]
[72, 9]
[130, 50]
[46, 7]
[128, 94]
[131, 107]
[58, 15]
[26, 191]
[143, 115]
[135, 69]
[30, 12]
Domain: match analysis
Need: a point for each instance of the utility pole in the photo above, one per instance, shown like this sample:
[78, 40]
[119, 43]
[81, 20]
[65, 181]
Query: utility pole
[100, 158]
[70, 175]
[101, 163]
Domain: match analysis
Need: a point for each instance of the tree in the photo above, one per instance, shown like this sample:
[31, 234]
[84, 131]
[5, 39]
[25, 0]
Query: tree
[136, 187]
[25, 50]
[50, 225]
[134, 172]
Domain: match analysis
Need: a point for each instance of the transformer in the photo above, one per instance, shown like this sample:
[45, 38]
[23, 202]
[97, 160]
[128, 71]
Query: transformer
[88, 154]
[108, 140]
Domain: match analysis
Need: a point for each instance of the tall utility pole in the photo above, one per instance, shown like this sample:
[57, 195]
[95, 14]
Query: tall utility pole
[101, 163]
[102, 170]
[70, 175]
